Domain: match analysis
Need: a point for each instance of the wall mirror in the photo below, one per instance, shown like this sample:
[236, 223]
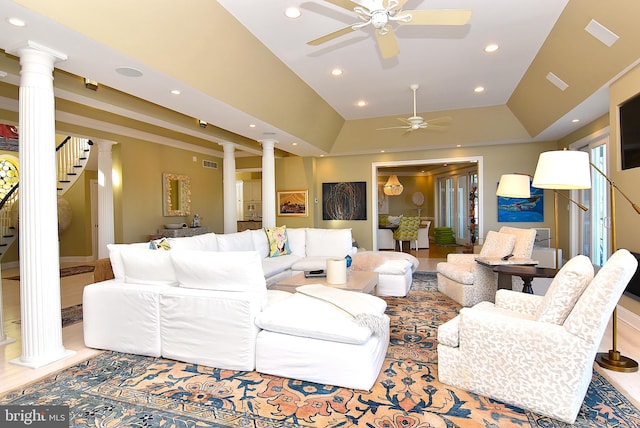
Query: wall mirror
[176, 195]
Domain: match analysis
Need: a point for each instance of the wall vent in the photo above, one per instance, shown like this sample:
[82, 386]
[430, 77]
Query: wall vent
[209, 164]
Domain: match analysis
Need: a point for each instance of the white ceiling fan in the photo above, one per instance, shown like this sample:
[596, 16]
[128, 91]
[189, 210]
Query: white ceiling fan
[375, 12]
[417, 122]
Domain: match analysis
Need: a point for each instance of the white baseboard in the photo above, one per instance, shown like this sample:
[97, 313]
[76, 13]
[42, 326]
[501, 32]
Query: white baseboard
[629, 317]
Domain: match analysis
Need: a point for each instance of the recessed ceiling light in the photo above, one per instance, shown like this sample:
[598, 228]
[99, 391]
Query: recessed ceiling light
[252, 125]
[337, 72]
[361, 103]
[381, 151]
[176, 91]
[295, 144]
[292, 12]
[458, 145]
[128, 71]
[478, 89]
[575, 120]
[16, 22]
[490, 48]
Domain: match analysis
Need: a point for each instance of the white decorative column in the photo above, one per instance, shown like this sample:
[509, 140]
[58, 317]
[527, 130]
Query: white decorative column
[41, 320]
[106, 226]
[268, 184]
[229, 188]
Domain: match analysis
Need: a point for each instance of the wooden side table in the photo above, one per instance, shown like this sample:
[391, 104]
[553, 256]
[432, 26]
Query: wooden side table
[527, 273]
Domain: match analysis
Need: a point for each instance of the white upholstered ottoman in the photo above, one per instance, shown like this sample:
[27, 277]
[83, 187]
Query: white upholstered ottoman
[395, 270]
[308, 339]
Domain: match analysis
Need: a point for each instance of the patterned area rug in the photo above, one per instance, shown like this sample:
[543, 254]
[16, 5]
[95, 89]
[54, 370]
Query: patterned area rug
[127, 390]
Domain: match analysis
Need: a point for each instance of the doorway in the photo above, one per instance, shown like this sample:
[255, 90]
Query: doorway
[437, 168]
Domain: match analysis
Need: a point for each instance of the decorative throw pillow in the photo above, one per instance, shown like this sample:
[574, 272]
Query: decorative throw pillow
[159, 244]
[278, 241]
[565, 290]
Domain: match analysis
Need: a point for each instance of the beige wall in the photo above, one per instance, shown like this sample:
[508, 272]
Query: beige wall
[627, 220]
[141, 165]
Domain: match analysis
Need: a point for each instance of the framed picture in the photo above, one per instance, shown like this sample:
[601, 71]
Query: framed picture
[344, 201]
[293, 203]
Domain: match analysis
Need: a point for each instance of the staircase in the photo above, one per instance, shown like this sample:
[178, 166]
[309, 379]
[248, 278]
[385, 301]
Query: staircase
[71, 159]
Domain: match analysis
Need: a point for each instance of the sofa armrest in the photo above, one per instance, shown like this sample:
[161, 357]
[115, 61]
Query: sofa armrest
[102, 270]
[517, 301]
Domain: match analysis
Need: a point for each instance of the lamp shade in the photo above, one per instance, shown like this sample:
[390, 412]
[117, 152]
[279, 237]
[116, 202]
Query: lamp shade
[514, 186]
[393, 187]
[563, 169]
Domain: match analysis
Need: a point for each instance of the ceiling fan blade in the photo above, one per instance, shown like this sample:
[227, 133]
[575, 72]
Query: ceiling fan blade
[394, 127]
[437, 17]
[439, 120]
[403, 120]
[387, 43]
[438, 128]
[347, 4]
[331, 36]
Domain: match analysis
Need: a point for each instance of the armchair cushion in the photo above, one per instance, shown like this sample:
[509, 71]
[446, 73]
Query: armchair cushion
[565, 290]
[456, 271]
[497, 244]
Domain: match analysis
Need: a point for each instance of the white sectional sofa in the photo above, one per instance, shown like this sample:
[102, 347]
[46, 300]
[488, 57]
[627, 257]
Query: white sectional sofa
[310, 249]
[199, 303]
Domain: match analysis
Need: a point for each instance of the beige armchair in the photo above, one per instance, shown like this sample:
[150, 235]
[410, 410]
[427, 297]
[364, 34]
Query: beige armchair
[467, 282]
[532, 351]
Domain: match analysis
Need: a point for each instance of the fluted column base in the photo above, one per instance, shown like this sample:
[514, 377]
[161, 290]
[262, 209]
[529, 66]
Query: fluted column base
[42, 360]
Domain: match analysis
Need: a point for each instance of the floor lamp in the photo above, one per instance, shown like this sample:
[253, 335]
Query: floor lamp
[562, 170]
[612, 360]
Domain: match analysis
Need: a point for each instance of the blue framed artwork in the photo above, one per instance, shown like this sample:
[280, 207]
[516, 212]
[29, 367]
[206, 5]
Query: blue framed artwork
[522, 209]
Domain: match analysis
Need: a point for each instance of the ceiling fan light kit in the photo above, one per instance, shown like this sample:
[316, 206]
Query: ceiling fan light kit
[380, 17]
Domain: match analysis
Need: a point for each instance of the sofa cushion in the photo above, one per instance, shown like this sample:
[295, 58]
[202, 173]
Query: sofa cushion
[116, 258]
[278, 241]
[565, 290]
[394, 267]
[260, 242]
[497, 244]
[224, 271]
[310, 263]
[239, 241]
[305, 316]
[329, 242]
[204, 242]
[298, 240]
[274, 265]
[145, 266]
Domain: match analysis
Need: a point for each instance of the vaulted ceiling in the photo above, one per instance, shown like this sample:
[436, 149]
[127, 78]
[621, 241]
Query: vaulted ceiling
[239, 63]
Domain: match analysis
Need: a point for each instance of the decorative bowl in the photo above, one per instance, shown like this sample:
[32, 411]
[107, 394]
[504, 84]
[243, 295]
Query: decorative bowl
[173, 226]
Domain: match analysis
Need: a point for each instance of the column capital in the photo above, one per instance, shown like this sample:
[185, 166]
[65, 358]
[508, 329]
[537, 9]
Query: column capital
[104, 145]
[227, 146]
[268, 143]
[31, 45]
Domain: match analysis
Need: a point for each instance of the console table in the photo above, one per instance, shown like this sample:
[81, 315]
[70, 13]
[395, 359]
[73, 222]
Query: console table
[185, 231]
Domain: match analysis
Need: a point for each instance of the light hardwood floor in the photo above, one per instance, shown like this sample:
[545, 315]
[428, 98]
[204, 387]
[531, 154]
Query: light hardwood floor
[13, 376]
